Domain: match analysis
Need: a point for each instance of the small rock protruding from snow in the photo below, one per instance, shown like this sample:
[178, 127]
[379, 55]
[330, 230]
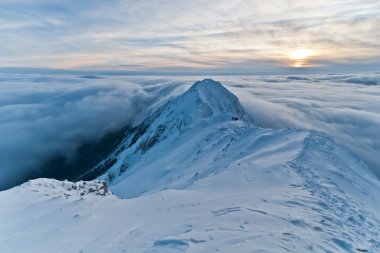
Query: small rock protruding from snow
[67, 189]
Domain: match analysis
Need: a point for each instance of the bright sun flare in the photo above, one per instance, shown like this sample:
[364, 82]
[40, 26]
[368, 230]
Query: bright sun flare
[299, 57]
[299, 54]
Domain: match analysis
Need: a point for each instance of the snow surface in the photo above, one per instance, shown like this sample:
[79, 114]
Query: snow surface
[198, 176]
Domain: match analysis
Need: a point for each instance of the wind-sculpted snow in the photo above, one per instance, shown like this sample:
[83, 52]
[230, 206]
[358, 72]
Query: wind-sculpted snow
[209, 182]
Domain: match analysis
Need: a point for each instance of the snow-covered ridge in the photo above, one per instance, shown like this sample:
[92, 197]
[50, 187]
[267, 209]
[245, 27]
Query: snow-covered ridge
[206, 102]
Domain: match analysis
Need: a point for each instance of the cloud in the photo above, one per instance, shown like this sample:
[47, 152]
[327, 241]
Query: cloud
[43, 116]
[46, 115]
[363, 80]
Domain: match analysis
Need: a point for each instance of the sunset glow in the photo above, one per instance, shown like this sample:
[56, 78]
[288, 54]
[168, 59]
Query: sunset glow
[300, 54]
[299, 57]
[190, 36]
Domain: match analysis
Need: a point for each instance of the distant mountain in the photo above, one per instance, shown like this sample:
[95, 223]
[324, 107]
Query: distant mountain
[197, 175]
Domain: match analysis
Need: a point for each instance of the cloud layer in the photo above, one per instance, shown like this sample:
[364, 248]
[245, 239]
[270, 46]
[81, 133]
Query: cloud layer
[347, 107]
[47, 115]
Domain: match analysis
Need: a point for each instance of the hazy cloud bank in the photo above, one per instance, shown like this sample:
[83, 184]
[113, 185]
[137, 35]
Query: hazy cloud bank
[46, 115]
[347, 107]
[43, 116]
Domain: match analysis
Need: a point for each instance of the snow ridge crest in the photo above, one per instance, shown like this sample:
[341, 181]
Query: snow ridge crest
[209, 98]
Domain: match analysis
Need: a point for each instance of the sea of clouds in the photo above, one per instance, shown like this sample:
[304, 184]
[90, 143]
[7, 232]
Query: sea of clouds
[347, 107]
[42, 116]
[46, 115]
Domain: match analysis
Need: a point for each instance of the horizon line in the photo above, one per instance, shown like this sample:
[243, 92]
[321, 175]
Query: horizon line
[290, 71]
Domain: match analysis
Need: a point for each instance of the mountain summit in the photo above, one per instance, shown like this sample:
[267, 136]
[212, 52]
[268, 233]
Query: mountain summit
[208, 98]
[198, 176]
[205, 101]
[205, 104]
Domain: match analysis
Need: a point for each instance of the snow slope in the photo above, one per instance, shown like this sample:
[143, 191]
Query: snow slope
[198, 176]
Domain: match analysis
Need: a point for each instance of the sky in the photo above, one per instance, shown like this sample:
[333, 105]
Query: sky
[197, 36]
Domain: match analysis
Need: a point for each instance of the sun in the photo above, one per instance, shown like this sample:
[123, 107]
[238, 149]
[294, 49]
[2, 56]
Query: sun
[299, 57]
[300, 54]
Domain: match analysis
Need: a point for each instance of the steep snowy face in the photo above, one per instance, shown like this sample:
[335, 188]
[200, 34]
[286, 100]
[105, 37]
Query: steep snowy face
[207, 103]
[208, 98]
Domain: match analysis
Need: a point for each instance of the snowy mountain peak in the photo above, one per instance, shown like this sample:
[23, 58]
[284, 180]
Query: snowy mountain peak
[205, 84]
[208, 98]
[206, 104]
